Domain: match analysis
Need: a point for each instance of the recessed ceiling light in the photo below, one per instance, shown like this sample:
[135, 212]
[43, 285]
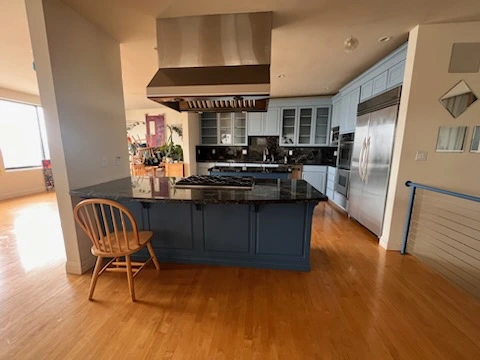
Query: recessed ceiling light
[281, 75]
[350, 44]
[384, 39]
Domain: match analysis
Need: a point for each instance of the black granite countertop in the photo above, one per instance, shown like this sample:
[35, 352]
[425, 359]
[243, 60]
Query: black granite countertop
[153, 189]
[253, 169]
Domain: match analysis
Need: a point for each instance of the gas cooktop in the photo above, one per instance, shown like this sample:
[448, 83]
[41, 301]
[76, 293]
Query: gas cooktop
[216, 182]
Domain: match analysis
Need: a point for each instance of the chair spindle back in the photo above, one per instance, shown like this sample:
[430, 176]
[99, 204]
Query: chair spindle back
[108, 224]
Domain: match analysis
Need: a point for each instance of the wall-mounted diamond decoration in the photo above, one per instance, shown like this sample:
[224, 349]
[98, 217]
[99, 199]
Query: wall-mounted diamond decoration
[458, 99]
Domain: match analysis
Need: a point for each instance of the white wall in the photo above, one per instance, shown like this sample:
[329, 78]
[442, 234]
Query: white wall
[14, 183]
[80, 82]
[426, 80]
[172, 117]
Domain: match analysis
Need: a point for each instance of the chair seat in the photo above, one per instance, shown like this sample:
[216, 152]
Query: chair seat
[143, 236]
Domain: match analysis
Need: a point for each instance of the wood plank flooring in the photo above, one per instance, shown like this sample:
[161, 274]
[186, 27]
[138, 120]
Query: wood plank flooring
[358, 302]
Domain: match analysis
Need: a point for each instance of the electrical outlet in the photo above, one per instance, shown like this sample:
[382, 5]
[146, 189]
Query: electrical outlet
[290, 152]
[421, 156]
[244, 151]
[213, 151]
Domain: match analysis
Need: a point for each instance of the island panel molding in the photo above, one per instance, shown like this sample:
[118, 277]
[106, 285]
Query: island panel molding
[266, 227]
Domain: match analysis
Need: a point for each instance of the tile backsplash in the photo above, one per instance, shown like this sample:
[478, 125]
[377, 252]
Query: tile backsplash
[256, 148]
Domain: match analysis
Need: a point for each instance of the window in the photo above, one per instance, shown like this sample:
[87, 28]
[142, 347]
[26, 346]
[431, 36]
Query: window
[21, 136]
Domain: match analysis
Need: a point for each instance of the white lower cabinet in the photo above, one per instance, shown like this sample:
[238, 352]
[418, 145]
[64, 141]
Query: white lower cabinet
[202, 168]
[316, 176]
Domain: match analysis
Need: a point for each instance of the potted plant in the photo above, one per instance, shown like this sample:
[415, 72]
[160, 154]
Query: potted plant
[172, 151]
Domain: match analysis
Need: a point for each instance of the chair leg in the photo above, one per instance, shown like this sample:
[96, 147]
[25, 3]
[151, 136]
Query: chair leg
[154, 257]
[130, 277]
[93, 282]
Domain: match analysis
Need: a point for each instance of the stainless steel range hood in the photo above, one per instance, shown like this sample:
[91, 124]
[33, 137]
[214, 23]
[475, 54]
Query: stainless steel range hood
[215, 63]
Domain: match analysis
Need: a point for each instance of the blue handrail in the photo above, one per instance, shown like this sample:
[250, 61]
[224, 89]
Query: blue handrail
[411, 202]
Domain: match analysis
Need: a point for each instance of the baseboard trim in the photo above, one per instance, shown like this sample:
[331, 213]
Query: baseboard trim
[30, 191]
[76, 268]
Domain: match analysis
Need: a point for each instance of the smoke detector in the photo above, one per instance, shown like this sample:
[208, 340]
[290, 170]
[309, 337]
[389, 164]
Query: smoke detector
[350, 44]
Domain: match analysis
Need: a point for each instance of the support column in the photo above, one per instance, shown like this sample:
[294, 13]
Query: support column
[80, 81]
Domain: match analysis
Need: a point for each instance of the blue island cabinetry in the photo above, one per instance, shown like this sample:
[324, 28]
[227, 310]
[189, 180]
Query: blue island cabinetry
[268, 226]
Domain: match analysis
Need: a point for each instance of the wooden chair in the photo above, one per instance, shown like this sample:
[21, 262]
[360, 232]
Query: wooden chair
[114, 234]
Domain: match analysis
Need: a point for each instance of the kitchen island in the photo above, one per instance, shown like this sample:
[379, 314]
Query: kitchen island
[267, 226]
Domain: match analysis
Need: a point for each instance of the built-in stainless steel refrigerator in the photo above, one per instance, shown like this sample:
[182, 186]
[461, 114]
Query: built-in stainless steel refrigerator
[371, 159]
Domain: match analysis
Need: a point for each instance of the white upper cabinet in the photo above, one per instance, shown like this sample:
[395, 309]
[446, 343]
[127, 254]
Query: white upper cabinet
[305, 126]
[289, 126]
[366, 90]
[321, 130]
[272, 122]
[223, 129]
[386, 74]
[395, 74]
[380, 83]
[264, 123]
[255, 122]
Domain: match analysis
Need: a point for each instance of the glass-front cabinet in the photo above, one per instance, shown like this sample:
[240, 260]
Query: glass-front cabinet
[223, 129]
[209, 128]
[239, 128]
[225, 126]
[305, 126]
[289, 121]
[322, 129]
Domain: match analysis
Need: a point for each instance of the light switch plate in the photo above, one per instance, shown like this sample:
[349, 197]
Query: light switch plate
[421, 156]
[244, 151]
[290, 152]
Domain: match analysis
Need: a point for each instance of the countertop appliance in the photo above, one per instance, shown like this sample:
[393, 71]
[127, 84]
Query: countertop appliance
[371, 160]
[216, 182]
[213, 63]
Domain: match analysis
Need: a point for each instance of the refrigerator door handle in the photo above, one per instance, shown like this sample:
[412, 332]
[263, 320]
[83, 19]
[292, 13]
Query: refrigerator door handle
[360, 159]
[365, 160]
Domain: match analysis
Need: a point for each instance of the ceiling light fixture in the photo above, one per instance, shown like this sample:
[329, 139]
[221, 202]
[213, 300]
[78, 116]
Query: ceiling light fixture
[384, 39]
[281, 75]
[350, 44]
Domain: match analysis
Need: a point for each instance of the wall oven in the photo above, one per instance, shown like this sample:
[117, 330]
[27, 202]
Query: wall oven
[341, 182]
[345, 150]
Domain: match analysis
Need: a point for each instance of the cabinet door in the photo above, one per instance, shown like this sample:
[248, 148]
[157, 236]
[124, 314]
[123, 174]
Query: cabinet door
[239, 128]
[336, 108]
[305, 122]
[272, 122]
[380, 83]
[344, 103]
[351, 117]
[366, 90]
[208, 129]
[395, 74]
[225, 128]
[289, 121]
[316, 179]
[322, 128]
[255, 123]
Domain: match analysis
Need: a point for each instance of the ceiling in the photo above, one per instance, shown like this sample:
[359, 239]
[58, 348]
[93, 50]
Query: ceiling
[307, 37]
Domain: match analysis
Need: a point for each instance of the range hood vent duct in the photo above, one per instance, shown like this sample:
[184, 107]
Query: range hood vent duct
[213, 63]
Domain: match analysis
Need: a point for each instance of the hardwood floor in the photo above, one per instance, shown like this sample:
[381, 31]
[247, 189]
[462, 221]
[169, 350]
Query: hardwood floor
[358, 302]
